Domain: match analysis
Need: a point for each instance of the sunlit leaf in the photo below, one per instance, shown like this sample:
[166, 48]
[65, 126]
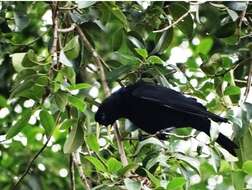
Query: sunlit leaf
[185, 25]
[68, 123]
[79, 86]
[47, 121]
[247, 167]
[205, 46]
[61, 100]
[92, 142]
[142, 52]
[97, 163]
[114, 165]
[69, 73]
[131, 184]
[153, 179]
[74, 140]
[206, 170]
[17, 59]
[232, 90]
[151, 140]
[154, 60]
[3, 102]
[176, 183]
[77, 102]
[20, 124]
[72, 48]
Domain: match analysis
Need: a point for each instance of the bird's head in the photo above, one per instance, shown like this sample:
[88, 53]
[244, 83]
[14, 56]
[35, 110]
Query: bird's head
[110, 109]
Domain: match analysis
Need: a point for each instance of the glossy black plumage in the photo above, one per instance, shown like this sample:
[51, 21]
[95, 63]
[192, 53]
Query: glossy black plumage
[153, 108]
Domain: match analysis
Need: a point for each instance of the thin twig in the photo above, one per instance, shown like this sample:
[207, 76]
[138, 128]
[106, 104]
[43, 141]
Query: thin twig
[240, 22]
[249, 82]
[55, 35]
[234, 67]
[68, 8]
[245, 36]
[65, 30]
[107, 91]
[31, 162]
[71, 171]
[36, 155]
[172, 24]
[77, 162]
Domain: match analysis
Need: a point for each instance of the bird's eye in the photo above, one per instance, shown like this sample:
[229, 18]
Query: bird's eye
[103, 116]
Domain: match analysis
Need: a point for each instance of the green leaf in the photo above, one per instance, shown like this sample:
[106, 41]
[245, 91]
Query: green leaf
[69, 73]
[79, 86]
[20, 124]
[226, 30]
[17, 59]
[42, 80]
[154, 60]
[153, 179]
[120, 72]
[116, 37]
[163, 41]
[186, 25]
[84, 4]
[151, 140]
[77, 102]
[91, 140]
[176, 183]
[61, 100]
[232, 90]
[99, 166]
[206, 170]
[47, 121]
[117, 12]
[131, 184]
[24, 86]
[238, 180]
[31, 59]
[114, 165]
[128, 168]
[125, 59]
[142, 52]
[68, 123]
[3, 102]
[205, 46]
[225, 167]
[74, 140]
[72, 48]
[247, 167]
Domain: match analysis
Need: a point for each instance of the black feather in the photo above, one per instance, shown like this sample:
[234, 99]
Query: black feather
[153, 108]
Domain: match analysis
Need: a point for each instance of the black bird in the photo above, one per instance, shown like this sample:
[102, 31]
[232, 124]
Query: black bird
[153, 108]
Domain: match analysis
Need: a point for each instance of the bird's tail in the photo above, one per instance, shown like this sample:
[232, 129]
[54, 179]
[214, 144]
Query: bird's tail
[217, 118]
[227, 144]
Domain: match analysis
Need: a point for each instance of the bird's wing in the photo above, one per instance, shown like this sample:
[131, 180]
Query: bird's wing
[173, 100]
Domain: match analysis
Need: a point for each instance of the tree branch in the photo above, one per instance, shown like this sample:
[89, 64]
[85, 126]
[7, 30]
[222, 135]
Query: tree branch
[36, 156]
[98, 60]
[65, 30]
[30, 163]
[71, 171]
[172, 24]
[249, 82]
[77, 162]
[54, 7]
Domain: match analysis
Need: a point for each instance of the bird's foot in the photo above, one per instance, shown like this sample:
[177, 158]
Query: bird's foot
[164, 133]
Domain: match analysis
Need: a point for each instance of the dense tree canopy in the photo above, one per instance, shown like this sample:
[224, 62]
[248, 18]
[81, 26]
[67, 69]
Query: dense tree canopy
[59, 60]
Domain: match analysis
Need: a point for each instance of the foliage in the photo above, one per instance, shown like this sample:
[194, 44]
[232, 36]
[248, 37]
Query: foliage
[58, 59]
